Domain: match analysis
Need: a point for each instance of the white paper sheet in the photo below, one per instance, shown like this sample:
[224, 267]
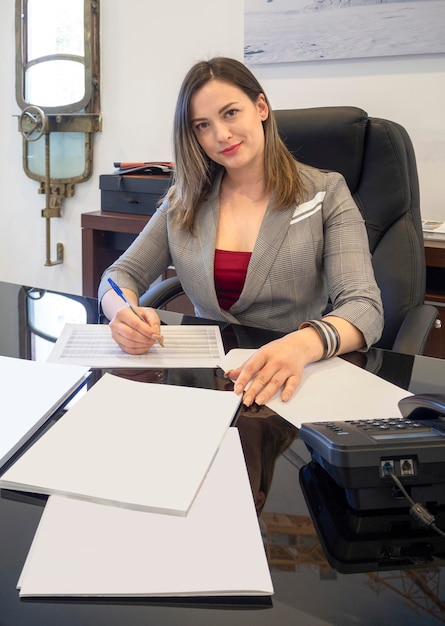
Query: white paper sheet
[332, 390]
[31, 393]
[87, 549]
[139, 445]
[184, 346]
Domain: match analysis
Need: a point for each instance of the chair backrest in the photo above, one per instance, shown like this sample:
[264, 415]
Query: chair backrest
[377, 159]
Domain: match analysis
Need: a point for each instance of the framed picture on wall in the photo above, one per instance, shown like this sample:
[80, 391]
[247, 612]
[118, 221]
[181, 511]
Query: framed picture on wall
[288, 31]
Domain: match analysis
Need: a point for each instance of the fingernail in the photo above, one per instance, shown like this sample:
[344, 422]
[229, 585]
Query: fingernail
[260, 399]
[238, 389]
[247, 400]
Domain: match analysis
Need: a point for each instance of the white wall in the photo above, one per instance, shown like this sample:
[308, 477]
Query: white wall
[409, 90]
[147, 46]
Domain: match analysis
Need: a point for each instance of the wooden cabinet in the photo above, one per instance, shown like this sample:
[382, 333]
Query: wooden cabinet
[104, 237]
[435, 294]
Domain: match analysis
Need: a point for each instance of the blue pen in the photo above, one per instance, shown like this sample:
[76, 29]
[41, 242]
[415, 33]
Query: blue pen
[121, 294]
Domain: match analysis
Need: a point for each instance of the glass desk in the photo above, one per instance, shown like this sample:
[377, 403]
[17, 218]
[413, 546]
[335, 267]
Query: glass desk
[346, 587]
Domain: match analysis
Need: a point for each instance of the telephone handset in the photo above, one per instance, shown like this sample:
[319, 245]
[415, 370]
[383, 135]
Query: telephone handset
[423, 406]
[360, 455]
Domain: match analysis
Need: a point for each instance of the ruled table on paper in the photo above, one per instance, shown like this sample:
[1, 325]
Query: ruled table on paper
[184, 346]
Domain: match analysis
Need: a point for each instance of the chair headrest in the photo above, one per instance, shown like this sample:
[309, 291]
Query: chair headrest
[330, 138]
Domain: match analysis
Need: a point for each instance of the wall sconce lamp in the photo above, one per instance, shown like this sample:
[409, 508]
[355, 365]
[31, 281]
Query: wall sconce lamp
[57, 88]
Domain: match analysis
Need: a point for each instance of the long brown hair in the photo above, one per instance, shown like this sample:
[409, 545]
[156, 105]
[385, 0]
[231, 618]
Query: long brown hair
[195, 173]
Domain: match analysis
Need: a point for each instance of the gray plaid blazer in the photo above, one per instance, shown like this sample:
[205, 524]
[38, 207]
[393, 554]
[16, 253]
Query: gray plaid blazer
[307, 259]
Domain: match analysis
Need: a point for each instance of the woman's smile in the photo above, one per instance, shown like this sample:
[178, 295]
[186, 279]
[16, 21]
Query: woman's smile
[231, 150]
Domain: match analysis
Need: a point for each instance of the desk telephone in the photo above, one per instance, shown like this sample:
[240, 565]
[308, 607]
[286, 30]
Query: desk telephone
[361, 455]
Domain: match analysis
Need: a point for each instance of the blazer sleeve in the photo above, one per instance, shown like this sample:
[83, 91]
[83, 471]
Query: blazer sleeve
[352, 287]
[144, 261]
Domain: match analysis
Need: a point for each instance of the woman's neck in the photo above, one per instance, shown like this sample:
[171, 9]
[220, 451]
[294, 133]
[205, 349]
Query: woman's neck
[241, 211]
[251, 187]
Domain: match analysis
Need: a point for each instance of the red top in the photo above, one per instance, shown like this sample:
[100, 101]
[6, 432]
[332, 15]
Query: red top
[230, 271]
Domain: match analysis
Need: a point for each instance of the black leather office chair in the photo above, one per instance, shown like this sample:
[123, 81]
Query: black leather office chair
[377, 159]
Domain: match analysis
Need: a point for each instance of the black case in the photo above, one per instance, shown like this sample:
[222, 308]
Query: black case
[137, 194]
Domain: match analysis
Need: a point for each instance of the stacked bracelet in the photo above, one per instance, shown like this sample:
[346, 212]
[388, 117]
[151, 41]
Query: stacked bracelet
[328, 335]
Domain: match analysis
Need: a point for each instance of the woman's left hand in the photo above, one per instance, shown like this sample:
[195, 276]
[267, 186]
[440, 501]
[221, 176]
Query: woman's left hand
[280, 363]
[277, 365]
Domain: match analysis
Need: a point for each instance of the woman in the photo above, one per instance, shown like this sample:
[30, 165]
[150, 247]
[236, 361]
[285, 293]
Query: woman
[256, 238]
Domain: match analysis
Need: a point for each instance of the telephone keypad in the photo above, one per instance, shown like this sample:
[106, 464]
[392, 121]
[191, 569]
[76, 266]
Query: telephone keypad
[377, 426]
[389, 424]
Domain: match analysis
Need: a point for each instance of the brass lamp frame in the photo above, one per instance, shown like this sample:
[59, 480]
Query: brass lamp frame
[82, 116]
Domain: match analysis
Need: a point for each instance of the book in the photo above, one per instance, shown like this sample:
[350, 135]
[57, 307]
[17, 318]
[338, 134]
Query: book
[433, 229]
[87, 549]
[138, 445]
[150, 168]
[31, 393]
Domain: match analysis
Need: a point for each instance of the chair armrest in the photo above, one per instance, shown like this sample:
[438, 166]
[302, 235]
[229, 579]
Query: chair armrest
[414, 331]
[162, 293]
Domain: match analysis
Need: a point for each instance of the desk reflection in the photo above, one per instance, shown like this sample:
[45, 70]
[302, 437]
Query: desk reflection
[264, 437]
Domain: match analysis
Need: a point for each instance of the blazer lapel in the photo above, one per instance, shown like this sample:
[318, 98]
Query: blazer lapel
[270, 238]
[206, 226]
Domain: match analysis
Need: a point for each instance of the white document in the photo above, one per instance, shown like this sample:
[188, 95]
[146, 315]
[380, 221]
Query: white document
[139, 445]
[331, 390]
[185, 346]
[87, 549]
[31, 393]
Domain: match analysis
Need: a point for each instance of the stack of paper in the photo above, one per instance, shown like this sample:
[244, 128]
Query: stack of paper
[149, 496]
[87, 549]
[139, 445]
[31, 393]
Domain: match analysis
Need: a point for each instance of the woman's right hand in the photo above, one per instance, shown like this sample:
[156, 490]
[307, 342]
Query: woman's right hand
[134, 335]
